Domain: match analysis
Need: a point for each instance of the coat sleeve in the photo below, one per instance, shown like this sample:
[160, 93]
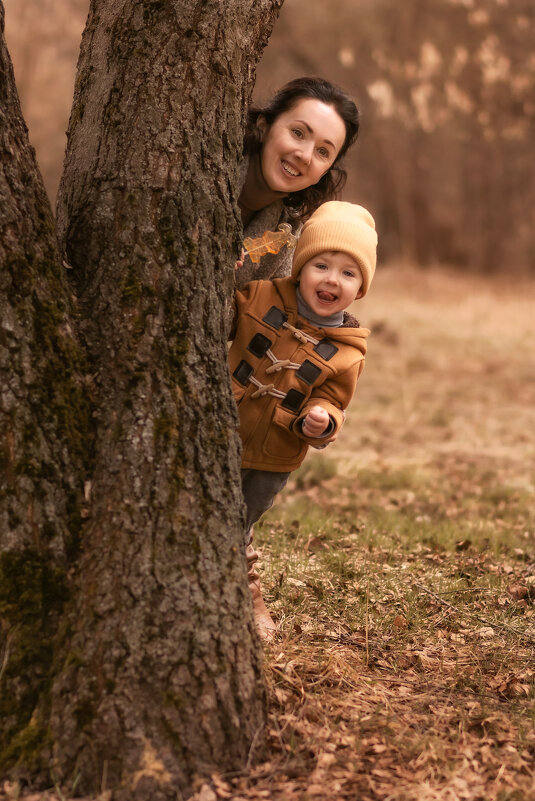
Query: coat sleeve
[334, 395]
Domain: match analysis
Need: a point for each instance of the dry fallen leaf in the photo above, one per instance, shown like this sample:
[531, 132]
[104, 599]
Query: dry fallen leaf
[518, 591]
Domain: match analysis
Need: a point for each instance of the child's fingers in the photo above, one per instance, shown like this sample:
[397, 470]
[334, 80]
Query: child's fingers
[313, 431]
[239, 262]
[318, 415]
[315, 422]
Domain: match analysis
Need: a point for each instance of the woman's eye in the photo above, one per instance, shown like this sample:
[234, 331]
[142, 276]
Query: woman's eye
[324, 153]
[297, 132]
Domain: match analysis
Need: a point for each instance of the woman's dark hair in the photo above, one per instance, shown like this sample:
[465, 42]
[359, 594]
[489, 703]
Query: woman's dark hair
[301, 204]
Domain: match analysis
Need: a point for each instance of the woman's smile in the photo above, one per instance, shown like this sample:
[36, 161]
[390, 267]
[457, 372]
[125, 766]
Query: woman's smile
[289, 169]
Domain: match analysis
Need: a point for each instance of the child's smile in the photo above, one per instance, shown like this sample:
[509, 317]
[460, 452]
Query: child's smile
[326, 297]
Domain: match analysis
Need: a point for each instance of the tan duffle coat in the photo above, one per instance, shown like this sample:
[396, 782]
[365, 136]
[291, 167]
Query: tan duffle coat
[281, 366]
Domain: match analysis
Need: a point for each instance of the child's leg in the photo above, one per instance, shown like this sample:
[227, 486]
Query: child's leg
[259, 489]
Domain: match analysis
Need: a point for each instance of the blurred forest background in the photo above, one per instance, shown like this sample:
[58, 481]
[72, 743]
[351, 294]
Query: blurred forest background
[446, 90]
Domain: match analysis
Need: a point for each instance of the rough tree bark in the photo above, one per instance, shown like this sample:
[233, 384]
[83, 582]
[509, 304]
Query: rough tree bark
[156, 673]
[44, 421]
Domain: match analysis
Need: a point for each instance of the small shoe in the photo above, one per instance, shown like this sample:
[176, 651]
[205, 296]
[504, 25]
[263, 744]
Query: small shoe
[265, 625]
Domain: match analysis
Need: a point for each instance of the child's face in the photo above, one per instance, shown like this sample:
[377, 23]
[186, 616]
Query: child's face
[330, 282]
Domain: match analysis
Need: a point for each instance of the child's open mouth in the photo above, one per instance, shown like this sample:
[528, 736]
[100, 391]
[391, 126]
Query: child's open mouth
[326, 297]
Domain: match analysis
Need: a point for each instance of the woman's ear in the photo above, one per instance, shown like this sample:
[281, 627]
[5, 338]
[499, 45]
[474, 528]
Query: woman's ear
[261, 125]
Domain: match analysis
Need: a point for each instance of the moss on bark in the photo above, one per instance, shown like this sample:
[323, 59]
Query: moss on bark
[33, 592]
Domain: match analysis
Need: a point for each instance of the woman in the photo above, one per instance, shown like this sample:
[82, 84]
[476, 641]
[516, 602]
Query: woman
[293, 147]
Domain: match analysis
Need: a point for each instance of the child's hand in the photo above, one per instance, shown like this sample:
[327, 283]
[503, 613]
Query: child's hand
[316, 422]
[239, 263]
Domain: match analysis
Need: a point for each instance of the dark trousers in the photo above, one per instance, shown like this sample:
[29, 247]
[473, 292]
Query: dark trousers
[259, 488]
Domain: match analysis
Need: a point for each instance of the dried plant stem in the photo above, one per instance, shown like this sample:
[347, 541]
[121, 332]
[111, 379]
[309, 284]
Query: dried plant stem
[367, 621]
[464, 613]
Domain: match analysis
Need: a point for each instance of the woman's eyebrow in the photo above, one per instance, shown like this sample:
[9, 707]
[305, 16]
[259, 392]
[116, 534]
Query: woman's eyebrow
[310, 130]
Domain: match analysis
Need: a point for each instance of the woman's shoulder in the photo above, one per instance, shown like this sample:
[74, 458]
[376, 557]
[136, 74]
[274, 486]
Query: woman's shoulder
[272, 265]
[266, 219]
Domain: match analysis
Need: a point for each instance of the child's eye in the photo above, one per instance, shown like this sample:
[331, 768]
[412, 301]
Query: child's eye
[349, 274]
[321, 266]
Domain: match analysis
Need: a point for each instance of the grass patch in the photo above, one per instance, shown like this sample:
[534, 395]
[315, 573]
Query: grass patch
[404, 667]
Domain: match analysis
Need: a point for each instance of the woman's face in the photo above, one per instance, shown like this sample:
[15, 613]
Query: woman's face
[301, 145]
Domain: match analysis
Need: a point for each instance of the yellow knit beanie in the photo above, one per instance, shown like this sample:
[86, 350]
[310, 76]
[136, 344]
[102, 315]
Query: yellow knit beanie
[337, 225]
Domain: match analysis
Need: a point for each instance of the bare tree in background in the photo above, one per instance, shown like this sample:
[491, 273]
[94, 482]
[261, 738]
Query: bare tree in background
[128, 654]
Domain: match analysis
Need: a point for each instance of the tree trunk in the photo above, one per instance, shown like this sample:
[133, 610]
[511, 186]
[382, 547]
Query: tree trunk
[44, 428]
[157, 677]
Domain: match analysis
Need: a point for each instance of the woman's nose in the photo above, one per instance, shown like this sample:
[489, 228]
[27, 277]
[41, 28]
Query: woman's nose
[305, 153]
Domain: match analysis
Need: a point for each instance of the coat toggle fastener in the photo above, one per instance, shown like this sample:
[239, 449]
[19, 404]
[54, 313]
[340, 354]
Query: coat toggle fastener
[265, 389]
[300, 335]
[280, 364]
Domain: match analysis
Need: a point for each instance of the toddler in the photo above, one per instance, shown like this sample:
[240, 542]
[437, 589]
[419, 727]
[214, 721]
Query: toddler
[295, 358]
